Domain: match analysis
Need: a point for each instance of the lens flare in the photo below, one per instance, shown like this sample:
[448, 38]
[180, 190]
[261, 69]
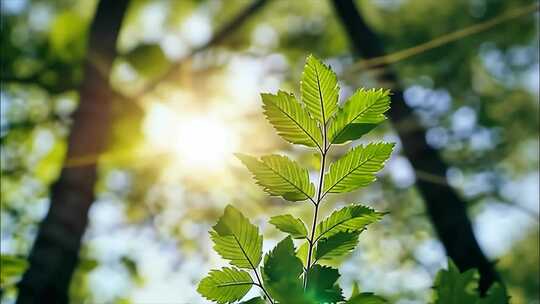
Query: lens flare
[203, 142]
[196, 140]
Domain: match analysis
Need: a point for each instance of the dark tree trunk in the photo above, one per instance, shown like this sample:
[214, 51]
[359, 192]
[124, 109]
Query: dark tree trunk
[55, 253]
[447, 211]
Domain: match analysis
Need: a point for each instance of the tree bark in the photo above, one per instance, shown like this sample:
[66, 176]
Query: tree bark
[446, 210]
[55, 253]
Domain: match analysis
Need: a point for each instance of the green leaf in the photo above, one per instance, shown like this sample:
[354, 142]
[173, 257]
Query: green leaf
[256, 300]
[291, 225]
[320, 89]
[453, 287]
[495, 295]
[366, 298]
[363, 111]
[282, 263]
[237, 240]
[280, 176]
[322, 285]
[350, 218]
[336, 245]
[357, 168]
[226, 285]
[291, 120]
[281, 273]
[302, 252]
[353, 131]
[11, 268]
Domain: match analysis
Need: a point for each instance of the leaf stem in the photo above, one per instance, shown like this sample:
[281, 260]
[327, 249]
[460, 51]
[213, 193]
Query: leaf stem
[312, 242]
[260, 285]
[259, 281]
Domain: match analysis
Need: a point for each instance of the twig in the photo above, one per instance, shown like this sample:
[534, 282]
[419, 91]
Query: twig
[444, 39]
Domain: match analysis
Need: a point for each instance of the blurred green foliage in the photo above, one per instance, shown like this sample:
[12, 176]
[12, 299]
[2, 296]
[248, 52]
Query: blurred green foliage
[477, 98]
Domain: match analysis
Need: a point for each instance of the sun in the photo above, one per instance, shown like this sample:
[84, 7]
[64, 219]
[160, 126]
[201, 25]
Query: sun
[201, 141]
[204, 141]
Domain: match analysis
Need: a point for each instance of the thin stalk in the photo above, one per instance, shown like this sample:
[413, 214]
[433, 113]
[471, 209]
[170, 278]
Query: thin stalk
[319, 198]
[259, 281]
[261, 285]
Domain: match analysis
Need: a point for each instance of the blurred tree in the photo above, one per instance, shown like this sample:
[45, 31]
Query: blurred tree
[55, 253]
[446, 209]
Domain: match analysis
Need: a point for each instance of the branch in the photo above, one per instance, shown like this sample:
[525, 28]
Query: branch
[444, 39]
[228, 29]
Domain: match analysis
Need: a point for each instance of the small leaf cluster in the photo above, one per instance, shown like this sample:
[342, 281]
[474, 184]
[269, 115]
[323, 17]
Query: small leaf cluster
[297, 270]
[451, 287]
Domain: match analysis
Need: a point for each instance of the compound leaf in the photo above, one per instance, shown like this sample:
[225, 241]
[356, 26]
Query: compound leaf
[349, 218]
[237, 240]
[280, 176]
[291, 120]
[363, 111]
[291, 225]
[357, 168]
[226, 285]
[320, 89]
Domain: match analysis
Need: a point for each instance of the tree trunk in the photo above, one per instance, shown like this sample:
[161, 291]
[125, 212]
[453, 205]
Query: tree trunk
[447, 211]
[55, 253]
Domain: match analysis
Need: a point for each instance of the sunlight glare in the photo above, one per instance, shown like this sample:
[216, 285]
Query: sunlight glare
[204, 142]
[197, 140]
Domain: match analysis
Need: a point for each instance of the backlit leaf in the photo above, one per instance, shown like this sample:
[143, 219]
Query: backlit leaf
[237, 240]
[291, 225]
[353, 131]
[302, 252]
[291, 120]
[357, 168]
[227, 285]
[320, 89]
[361, 113]
[280, 176]
[336, 245]
[349, 218]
